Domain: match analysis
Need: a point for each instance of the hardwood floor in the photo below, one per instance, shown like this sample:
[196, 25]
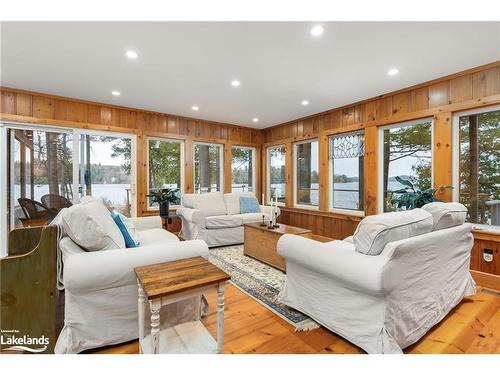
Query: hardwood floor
[472, 327]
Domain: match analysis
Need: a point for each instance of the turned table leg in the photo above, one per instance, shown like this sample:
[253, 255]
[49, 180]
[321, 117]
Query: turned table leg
[141, 307]
[220, 316]
[155, 306]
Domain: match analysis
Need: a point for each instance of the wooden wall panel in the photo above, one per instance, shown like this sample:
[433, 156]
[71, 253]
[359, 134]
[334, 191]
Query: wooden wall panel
[442, 154]
[371, 176]
[477, 261]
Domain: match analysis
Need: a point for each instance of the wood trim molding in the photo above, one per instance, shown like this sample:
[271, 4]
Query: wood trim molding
[486, 280]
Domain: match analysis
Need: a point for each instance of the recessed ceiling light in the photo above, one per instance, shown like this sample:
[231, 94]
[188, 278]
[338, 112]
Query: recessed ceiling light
[131, 54]
[317, 30]
[392, 72]
[255, 119]
[304, 102]
[116, 93]
[235, 83]
[195, 108]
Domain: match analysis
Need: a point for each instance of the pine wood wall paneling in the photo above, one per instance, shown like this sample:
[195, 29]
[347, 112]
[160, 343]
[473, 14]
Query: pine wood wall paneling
[228, 155]
[371, 171]
[324, 173]
[189, 166]
[442, 154]
[289, 192]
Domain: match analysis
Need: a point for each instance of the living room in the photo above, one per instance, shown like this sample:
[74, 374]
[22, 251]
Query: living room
[261, 187]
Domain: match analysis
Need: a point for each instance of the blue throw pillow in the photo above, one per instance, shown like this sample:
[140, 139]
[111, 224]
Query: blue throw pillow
[129, 241]
[249, 205]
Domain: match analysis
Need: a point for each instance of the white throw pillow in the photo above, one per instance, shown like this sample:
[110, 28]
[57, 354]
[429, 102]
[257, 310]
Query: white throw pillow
[232, 201]
[91, 226]
[446, 214]
[374, 232]
[210, 204]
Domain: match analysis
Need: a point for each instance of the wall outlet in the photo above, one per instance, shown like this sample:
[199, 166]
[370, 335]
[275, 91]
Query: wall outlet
[488, 255]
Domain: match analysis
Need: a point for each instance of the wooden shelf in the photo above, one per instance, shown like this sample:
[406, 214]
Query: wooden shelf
[186, 338]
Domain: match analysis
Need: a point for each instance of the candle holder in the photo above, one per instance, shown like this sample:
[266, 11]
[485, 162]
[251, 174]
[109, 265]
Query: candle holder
[276, 225]
[263, 224]
[270, 225]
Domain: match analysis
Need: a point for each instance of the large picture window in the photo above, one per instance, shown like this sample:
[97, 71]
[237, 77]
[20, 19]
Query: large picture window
[306, 174]
[276, 178]
[242, 169]
[165, 160]
[406, 158]
[477, 165]
[207, 167]
[347, 171]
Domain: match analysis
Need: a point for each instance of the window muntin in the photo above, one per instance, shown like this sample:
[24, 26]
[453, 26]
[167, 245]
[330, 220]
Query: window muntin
[276, 185]
[406, 154]
[208, 165]
[347, 171]
[307, 174]
[165, 163]
[477, 165]
[242, 169]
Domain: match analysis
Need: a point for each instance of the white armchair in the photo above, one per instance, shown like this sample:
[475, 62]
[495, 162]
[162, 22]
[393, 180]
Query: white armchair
[101, 287]
[382, 303]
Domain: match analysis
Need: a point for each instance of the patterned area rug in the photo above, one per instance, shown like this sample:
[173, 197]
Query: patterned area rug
[260, 281]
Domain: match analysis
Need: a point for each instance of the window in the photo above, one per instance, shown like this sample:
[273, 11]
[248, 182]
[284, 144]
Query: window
[406, 158]
[242, 169]
[306, 174]
[276, 180]
[477, 165]
[207, 167]
[346, 168]
[166, 166]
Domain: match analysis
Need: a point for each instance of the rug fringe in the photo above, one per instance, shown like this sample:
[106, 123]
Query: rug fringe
[306, 326]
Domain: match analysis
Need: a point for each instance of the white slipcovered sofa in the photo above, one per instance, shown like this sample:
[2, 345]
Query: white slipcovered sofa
[386, 286]
[215, 217]
[98, 276]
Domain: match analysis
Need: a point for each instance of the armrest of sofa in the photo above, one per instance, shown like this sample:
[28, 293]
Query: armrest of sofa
[191, 215]
[146, 222]
[108, 269]
[267, 210]
[336, 259]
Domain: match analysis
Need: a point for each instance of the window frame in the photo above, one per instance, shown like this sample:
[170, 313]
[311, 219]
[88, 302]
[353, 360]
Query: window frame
[295, 204]
[347, 211]
[380, 158]
[253, 155]
[221, 156]
[268, 174]
[455, 181]
[171, 140]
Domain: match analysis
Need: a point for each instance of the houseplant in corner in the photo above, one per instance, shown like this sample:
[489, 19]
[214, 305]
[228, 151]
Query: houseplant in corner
[410, 197]
[163, 197]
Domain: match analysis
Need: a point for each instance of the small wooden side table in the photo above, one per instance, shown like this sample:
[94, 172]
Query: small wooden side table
[165, 283]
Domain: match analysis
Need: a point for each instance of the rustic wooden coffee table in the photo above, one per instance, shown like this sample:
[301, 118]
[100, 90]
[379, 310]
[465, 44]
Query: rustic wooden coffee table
[260, 242]
[165, 283]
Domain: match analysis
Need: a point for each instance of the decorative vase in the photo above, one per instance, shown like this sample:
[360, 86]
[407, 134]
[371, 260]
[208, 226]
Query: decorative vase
[164, 209]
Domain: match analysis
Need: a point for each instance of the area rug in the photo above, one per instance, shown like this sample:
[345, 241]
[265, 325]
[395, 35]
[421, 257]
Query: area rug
[259, 281]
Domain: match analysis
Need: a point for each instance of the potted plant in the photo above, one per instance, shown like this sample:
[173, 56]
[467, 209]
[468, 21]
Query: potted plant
[411, 197]
[163, 197]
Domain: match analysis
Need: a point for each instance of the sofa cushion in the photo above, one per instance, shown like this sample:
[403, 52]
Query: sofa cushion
[253, 217]
[210, 204]
[127, 236]
[222, 221]
[374, 232]
[156, 236]
[249, 205]
[91, 226]
[232, 201]
[446, 214]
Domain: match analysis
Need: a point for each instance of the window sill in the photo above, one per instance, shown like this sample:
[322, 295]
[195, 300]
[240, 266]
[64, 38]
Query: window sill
[486, 229]
[347, 212]
[306, 207]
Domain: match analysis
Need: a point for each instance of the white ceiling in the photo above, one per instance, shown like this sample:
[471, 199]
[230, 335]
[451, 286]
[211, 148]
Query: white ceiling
[279, 64]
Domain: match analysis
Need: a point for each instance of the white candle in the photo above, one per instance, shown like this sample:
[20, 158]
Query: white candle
[263, 198]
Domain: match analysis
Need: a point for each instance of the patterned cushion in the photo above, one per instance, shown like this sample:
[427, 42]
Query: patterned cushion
[249, 205]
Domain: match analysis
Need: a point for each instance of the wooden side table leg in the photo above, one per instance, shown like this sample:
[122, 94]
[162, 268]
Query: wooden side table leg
[155, 306]
[220, 316]
[141, 306]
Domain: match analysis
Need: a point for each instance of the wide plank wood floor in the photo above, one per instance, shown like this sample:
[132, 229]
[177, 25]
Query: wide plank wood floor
[472, 327]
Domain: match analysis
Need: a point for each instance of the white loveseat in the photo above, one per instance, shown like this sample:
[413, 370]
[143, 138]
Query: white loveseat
[386, 286]
[100, 284]
[216, 219]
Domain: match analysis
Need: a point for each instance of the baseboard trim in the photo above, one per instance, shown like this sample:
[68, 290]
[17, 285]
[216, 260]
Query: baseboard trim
[486, 280]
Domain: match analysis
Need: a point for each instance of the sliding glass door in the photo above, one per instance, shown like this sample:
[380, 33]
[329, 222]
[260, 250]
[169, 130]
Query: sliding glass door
[44, 169]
